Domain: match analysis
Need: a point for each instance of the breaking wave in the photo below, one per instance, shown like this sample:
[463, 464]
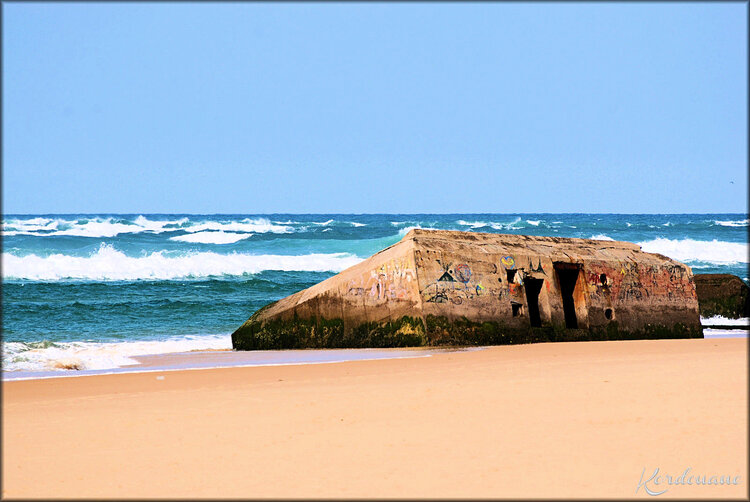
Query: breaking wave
[718, 320]
[473, 224]
[513, 225]
[689, 250]
[53, 356]
[406, 230]
[109, 264]
[732, 223]
[257, 225]
[211, 237]
[113, 226]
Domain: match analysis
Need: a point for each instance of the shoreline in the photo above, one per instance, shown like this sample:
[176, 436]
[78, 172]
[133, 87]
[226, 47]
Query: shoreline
[536, 420]
[215, 358]
[227, 358]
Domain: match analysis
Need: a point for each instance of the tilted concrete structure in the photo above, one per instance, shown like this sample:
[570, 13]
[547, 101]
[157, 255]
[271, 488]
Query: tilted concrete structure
[439, 287]
[724, 295]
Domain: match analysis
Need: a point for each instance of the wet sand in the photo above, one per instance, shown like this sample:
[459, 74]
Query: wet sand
[546, 420]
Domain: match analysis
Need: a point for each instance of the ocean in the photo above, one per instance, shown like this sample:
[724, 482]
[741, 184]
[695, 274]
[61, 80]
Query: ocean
[93, 291]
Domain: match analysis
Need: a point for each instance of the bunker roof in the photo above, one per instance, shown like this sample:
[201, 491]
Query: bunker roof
[555, 248]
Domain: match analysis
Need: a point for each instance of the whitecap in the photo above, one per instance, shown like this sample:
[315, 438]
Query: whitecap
[211, 237]
[506, 226]
[732, 223]
[718, 320]
[690, 250]
[406, 230]
[111, 226]
[472, 224]
[109, 264]
[257, 225]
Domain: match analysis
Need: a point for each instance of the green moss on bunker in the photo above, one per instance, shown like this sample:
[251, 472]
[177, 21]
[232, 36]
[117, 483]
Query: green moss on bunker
[297, 333]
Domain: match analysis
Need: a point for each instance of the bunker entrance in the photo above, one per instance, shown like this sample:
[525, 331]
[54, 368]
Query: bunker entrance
[533, 287]
[567, 276]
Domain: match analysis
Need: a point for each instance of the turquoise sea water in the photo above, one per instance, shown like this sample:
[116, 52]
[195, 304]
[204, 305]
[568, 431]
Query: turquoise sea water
[91, 291]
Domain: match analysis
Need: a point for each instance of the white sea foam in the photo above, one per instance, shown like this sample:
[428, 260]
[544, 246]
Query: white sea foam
[211, 237]
[718, 320]
[730, 223]
[406, 230]
[107, 263]
[110, 227]
[257, 225]
[100, 229]
[356, 224]
[534, 222]
[18, 356]
[472, 224]
[601, 237]
[31, 225]
[160, 225]
[506, 226]
[323, 223]
[690, 250]
[89, 227]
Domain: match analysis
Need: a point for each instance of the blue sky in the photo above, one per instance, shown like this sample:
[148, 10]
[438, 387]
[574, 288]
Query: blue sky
[374, 108]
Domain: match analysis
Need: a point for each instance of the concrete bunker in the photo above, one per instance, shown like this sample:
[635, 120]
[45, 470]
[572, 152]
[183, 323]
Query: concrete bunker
[437, 287]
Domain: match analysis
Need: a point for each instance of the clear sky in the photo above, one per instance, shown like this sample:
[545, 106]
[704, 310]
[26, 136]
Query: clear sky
[374, 108]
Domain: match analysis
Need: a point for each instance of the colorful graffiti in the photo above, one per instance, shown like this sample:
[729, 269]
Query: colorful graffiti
[463, 273]
[389, 281]
[508, 262]
[454, 285]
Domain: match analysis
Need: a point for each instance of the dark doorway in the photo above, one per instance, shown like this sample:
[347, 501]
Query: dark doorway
[533, 288]
[511, 275]
[567, 275]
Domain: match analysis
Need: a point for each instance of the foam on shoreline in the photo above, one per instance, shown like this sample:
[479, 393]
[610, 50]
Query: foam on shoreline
[203, 360]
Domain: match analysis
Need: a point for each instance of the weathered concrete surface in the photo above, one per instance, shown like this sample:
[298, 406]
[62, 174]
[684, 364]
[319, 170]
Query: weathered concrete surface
[439, 287]
[722, 294]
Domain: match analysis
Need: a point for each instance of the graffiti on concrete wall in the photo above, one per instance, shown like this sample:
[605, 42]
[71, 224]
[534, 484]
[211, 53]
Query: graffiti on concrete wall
[389, 281]
[633, 281]
[463, 273]
[454, 285]
[508, 262]
[631, 287]
[538, 268]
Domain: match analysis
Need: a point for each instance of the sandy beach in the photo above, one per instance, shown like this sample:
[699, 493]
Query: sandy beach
[583, 420]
